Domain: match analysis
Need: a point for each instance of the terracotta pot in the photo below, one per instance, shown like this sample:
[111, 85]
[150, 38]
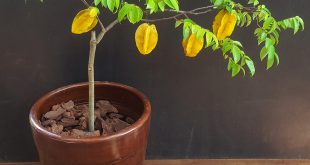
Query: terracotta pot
[126, 147]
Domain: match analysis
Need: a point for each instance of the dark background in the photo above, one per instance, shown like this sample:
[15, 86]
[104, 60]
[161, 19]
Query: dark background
[199, 111]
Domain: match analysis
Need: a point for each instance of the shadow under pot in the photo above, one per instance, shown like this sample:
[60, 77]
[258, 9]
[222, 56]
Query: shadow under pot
[125, 147]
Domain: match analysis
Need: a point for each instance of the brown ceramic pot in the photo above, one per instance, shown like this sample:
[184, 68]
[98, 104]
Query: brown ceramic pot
[126, 147]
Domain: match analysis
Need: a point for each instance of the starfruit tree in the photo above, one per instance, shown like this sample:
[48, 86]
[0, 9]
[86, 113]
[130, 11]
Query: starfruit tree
[230, 15]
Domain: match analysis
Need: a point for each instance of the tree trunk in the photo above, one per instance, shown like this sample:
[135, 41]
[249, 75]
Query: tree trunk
[91, 81]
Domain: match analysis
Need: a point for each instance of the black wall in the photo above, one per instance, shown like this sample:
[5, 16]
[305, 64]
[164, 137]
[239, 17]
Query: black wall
[199, 111]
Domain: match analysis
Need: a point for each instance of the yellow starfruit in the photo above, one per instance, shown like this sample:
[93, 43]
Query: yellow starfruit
[85, 20]
[146, 38]
[224, 24]
[192, 45]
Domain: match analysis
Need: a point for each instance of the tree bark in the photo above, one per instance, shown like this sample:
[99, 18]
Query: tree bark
[91, 82]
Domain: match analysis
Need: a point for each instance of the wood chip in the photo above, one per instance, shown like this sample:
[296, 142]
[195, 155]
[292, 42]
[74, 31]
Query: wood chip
[115, 115]
[119, 124]
[68, 105]
[66, 122]
[55, 107]
[48, 122]
[106, 126]
[65, 134]
[67, 119]
[57, 129]
[129, 120]
[69, 115]
[54, 114]
[79, 133]
[105, 107]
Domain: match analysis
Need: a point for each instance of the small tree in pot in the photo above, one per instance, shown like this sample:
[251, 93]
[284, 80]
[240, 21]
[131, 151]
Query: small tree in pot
[195, 37]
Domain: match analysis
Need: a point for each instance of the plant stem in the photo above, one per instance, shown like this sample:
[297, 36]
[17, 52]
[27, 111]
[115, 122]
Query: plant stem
[91, 82]
[91, 78]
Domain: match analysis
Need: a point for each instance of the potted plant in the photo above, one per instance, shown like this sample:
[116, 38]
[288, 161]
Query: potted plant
[65, 134]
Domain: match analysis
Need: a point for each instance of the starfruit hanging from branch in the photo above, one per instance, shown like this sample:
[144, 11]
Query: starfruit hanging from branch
[85, 20]
[224, 24]
[146, 38]
[192, 45]
[195, 37]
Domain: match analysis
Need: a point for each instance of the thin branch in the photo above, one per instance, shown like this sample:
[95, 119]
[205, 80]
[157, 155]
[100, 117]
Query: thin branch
[100, 23]
[204, 7]
[175, 17]
[202, 12]
[111, 25]
[196, 11]
[103, 31]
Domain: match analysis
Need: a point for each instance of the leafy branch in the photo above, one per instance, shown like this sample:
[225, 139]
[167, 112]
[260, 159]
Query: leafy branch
[195, 37]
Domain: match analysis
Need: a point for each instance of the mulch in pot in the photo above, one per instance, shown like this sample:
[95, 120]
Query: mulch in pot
[70, 119]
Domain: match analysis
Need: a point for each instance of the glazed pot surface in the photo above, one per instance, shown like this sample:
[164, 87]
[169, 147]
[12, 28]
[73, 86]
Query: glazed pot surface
[126, 147]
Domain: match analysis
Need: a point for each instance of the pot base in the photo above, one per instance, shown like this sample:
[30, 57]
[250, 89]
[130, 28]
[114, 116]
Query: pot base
[126, 147]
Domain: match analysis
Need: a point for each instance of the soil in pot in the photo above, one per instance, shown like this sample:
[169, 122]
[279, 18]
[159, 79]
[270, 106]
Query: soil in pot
[70, 119]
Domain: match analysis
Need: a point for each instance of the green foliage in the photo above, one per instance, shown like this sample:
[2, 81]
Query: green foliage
[237, 59]
[221, 2]
[243, 19]
[229, 5]
[112, 5]
[156, 5]
[269, 31]
[292, 23]
[130, 11]
[254, 2]
[190, 27]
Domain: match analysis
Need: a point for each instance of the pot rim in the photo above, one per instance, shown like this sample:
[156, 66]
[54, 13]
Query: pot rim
[139, 123]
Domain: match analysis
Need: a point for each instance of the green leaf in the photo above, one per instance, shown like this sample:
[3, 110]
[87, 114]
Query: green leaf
[195, 28]
[237, 43]
[249, 20]
[178, 23]
[236, 54]
[134, 13]
[271, 56]
[301, 22]
[186, 33]
[250, 65]
[268, 22]
[263, 53]
[216, 42]
[254, 2]
[200, 33]
[296, 26]
[111, 5]
[208, 38]
[96, 2]
[226, 48]
[175, 4]
[269, 43]
[172, 4]
[277, 58]
[162, 5]
[152, 6]
[117, 3]
[235, 70]
[123, 12]
[104, 3]
[230, 64]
